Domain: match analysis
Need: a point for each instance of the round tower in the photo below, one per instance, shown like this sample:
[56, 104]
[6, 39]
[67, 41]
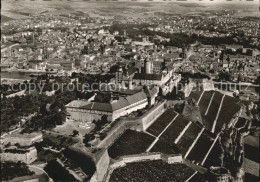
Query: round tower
[130, 84]
[148, 66]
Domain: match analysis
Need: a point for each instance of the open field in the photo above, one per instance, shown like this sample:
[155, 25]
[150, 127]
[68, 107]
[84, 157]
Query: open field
[69, 126]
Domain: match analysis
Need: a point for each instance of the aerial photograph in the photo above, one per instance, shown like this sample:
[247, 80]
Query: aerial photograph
[130, 90]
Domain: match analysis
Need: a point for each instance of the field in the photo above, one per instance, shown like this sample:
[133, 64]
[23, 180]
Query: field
[157, 127]
[200, 149]
[228, 110]
[130, 142]
[152, 171]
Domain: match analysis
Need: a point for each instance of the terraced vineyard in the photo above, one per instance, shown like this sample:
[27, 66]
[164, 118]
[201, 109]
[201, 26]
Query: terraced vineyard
[166, 147]
[188, 137]
[198, 177]
[158, 126]
[174, 130]
[213, 110]
[200, 149]
[214, 156]
[228, 110]
[204, 102]
[195, 95]
[130, 142]
[152, 171]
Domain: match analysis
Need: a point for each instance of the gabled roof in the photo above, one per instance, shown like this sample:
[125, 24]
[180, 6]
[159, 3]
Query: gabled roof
[108, 107]
[77, 103]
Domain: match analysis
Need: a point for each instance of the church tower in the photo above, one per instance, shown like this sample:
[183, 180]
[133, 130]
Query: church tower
[148, 66]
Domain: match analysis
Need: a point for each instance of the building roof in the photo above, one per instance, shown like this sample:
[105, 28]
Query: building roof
[77, 103]
[145, 76]
[108, 107]
[151, 92]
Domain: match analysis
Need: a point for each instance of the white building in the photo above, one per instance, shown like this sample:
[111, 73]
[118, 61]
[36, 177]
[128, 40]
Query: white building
[88, 111]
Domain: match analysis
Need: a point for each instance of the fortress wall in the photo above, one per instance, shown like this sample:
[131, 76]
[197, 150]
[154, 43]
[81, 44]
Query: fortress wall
[140, 124]
[102, 166]
[114, 133]
[149, 118]
[23, 141]
[27, 157]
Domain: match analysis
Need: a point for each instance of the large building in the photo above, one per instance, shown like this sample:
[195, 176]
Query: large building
[14, 154]
[82, 110]
[26, 139]
[154, 74]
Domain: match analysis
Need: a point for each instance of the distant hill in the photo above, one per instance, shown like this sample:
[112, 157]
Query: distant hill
[5, 18]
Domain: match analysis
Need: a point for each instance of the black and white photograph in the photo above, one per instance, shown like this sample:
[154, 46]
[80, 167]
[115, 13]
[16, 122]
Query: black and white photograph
[130, 90]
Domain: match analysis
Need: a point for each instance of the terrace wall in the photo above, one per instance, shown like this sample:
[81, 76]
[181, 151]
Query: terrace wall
[148, 118]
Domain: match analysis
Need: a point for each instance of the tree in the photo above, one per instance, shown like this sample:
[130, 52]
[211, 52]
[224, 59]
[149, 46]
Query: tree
[86, 139]
[223, 76]
[75, 133]
[258, 80]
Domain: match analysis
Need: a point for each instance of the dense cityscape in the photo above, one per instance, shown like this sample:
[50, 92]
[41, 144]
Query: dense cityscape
[153, 96]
